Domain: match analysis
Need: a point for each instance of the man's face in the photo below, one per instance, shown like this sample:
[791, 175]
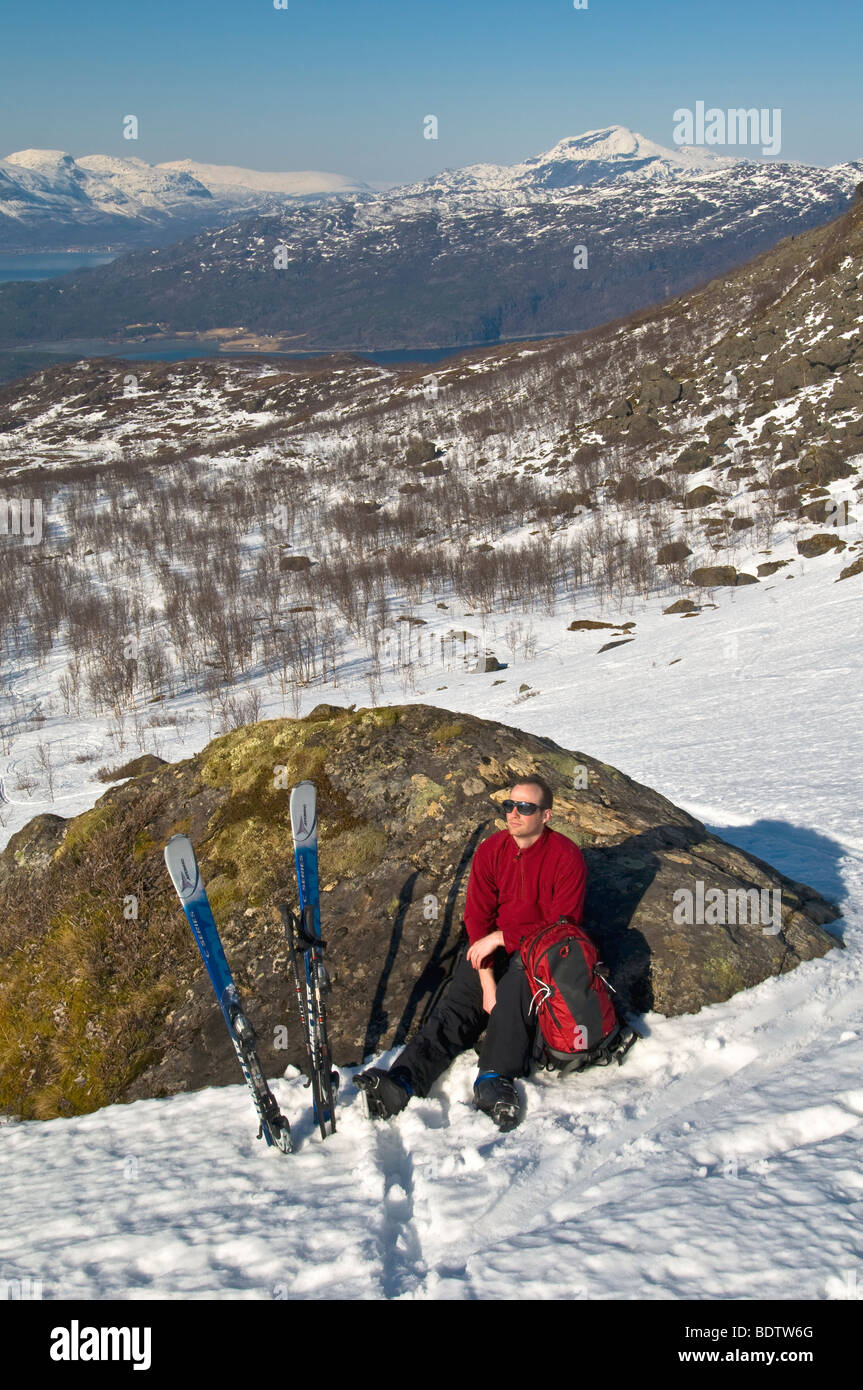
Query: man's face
[521, 825]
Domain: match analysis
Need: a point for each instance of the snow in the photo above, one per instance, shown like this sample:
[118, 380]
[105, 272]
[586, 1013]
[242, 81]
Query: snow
[49, 160]
[616, 142]
[576, 161]
[222, 177]
[720, 1162]
[127, 188]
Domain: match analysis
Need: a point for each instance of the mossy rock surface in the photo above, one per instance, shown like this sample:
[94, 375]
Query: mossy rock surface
[103, 996]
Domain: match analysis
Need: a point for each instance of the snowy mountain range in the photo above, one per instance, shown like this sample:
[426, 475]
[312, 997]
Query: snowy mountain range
[48, 199]
[597, 227]
[577, 161]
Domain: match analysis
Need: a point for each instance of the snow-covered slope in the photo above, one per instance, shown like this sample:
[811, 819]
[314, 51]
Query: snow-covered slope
[91, 186]
[722, 1160]
[229, 181]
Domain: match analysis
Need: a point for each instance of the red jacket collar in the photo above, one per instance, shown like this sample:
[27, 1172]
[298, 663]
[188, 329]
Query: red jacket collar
[543, 836]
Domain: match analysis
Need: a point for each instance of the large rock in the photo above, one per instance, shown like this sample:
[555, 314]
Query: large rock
[851, 570]
[846, 394]
[588, 625]
[658, 387]
[34, 845]
[714, 577]
[97, 1006]
[136, 767]
[672, 553]
[652, 490]
[832, 353]
[700, 497]
[683, 605]
[790, 377]
[294, 564]
[819, 544]
[643, 429]
[823, 464]
[694, 457]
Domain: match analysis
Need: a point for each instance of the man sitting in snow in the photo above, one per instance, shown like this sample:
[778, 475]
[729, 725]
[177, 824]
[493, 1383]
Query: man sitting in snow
[521, 878]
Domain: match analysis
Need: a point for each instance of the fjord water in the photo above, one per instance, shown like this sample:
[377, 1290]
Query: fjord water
[47, 265]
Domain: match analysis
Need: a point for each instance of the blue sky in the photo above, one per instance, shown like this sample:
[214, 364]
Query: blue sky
[344, 85]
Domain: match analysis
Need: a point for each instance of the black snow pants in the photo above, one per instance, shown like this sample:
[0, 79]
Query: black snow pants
[458, 1020]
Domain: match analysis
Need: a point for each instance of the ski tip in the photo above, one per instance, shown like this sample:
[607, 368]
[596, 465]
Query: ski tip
[175, 843]
[304, 813]
[182, 865]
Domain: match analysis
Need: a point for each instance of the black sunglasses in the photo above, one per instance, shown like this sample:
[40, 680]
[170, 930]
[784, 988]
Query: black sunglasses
[524, 808]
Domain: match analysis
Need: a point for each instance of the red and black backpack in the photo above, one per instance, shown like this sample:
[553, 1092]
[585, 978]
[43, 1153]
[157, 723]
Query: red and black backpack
[572, 999]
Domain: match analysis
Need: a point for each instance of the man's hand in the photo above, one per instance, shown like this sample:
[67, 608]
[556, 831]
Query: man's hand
[489, 992]
[480, 951]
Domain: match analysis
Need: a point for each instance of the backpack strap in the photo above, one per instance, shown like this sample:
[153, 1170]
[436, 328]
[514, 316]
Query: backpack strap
[613, 1048]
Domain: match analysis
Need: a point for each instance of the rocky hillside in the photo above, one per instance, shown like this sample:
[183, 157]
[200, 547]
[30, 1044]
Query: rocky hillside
[714, 437]
[103, 996]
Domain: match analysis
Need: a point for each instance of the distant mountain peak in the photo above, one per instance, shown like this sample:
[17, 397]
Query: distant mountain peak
[617, 145]
[39, 159]
[612, 142]
[576, 161]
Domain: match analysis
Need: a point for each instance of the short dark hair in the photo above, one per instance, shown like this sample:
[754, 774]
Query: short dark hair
[535, 781]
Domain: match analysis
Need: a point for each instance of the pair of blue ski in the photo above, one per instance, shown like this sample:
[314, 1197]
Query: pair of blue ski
[304, 938]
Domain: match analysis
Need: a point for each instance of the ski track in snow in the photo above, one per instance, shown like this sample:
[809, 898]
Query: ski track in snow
[403, 1264]
[722, 1159]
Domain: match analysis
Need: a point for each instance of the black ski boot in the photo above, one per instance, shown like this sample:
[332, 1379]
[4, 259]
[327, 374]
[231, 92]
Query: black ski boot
[385, 1095]
[496, 1096]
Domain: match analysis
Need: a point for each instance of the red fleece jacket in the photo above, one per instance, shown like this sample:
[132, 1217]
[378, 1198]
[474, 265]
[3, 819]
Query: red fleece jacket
[519, 891]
